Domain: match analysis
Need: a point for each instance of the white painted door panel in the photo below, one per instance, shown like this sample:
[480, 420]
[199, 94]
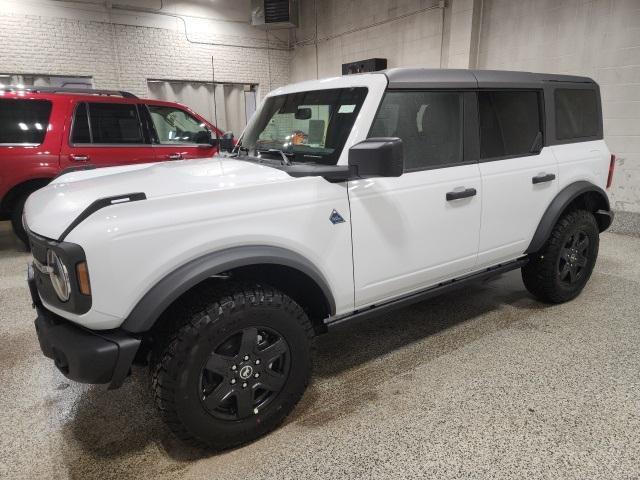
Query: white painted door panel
[407, 236]
[512, 205]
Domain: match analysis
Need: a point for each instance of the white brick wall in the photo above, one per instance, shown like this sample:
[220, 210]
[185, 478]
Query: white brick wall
[600, 39]
[413, 40]
[124, 56]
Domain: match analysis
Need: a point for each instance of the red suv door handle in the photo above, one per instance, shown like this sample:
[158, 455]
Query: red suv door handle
[174, 156]
[78, 158]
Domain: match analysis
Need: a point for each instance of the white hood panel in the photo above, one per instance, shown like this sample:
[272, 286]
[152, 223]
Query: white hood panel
[50, 210]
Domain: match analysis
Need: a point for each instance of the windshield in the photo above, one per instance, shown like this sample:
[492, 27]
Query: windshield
[307, 126]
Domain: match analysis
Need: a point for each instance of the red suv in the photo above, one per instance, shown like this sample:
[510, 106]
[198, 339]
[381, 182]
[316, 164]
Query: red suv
[44, 131]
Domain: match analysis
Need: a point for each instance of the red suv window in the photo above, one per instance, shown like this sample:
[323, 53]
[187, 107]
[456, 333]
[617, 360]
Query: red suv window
[23, 122]
[107, 123]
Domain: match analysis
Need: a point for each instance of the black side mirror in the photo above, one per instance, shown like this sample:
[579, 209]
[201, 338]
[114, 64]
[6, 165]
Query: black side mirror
[303, 113]
[226, 142]
[205, 139]
[377, 157]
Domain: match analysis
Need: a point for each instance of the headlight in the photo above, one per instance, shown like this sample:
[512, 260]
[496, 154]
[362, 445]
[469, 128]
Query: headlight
[59, 276]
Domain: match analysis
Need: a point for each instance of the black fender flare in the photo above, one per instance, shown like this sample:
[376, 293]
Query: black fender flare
[172, 286]
[601, 210]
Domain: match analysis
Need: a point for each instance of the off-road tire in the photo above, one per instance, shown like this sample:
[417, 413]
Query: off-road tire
[543, 274]
[200, 323]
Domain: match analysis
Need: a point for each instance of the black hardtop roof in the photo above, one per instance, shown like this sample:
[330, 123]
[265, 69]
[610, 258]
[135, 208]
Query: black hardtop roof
[461, 78]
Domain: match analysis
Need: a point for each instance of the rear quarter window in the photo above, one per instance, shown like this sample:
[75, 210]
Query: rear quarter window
[23, 122]
[576, 113]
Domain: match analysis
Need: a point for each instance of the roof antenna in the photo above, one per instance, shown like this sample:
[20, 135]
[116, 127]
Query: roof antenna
[215, 103]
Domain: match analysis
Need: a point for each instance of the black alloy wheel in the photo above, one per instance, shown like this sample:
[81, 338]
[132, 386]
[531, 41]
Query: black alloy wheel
[245, 372]
[574, 257]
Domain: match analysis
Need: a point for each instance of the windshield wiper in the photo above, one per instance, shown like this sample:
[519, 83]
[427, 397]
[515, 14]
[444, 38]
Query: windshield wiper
[285, 159]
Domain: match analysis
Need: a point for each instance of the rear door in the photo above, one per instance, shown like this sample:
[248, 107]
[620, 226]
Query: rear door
[179, 135]
[519, 175]
[418, 229]
[106, 134]
[29, 140]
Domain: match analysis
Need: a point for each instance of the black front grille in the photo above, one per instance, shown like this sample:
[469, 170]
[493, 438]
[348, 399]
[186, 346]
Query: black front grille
[276, 11]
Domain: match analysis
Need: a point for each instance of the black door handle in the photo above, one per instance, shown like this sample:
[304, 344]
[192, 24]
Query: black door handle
[543, 177]
[457, 195]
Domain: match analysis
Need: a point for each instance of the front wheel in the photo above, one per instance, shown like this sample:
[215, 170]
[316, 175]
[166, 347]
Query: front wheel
[561, 269]
[236, 368]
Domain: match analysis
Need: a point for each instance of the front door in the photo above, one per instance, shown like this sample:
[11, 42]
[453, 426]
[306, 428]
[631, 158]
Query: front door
[179, 135]
[421, 228]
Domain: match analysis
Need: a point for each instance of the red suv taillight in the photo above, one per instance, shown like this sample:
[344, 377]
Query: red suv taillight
[612, 167]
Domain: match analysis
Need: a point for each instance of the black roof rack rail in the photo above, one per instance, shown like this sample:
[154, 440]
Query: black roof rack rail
[87, 91]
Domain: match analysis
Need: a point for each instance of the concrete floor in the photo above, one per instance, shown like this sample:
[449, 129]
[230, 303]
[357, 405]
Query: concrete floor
[487, 383]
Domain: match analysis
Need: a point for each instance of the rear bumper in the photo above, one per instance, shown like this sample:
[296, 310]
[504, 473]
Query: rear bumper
[83, 355]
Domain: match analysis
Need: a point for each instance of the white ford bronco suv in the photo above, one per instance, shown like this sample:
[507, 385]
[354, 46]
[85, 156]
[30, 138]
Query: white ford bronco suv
[343, 198]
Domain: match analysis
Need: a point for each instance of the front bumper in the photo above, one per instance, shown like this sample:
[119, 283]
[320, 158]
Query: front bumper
[83, 355]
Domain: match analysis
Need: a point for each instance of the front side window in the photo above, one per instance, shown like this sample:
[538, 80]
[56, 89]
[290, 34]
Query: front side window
[308, 126]
[576, 113]
[429, 124]
[111, 123]
[509, 123]
[175, 126]
[23, 122]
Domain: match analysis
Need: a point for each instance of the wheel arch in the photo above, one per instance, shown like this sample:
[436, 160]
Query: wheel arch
[281, 268]
[30, 185]
[581, 194]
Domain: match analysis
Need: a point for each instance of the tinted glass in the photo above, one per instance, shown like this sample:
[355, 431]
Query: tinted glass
[576, 113]
[81, 133]
[509, 123]
[23, 121]
[429, 124]
[177, 126]
[308, 126]
[113, 123]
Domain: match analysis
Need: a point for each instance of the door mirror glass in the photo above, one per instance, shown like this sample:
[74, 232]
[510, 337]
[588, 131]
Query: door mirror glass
[377, 157]
[303, 113]
[226, 142]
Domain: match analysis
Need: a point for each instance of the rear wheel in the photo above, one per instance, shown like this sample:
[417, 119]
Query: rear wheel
[235, 368]
[559, 271]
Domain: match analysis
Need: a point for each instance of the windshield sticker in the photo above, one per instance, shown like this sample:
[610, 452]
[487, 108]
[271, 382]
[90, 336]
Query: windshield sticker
[346, 108]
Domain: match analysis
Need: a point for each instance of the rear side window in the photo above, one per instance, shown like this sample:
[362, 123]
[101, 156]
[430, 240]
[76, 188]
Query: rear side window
[107, 123]
[509, 123]
[23, 122]
[576, 113]
[429, 124]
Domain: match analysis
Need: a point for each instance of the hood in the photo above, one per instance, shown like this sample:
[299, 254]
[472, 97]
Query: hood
[50, 210]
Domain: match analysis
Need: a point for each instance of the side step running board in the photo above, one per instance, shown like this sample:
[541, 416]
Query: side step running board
[430, 292]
